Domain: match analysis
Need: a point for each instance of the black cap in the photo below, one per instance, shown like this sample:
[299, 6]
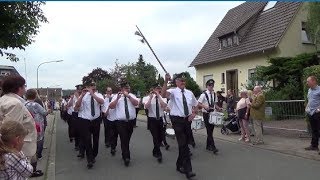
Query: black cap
[209, 82]
[180, 76]
[156, 85]
[79, 86]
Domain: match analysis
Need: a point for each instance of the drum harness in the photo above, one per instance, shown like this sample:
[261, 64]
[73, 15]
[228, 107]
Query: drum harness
[210, 105]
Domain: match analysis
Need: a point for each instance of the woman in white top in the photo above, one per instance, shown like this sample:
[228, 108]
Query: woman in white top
[243, 114]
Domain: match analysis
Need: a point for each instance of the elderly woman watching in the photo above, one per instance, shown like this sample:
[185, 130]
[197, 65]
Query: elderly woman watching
[243, 116]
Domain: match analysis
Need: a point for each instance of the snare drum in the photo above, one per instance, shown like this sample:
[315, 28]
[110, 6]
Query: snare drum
[216, 118]
[170, 132]
[197, 123]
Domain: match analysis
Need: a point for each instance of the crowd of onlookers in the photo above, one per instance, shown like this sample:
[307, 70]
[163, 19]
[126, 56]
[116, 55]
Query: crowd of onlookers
[23, 121]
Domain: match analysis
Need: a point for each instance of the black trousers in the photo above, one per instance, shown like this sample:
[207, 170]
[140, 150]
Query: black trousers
[77, 131]
[90, 131]
[70, 126]
[181, 127]
[190, 134]
[113, 134]
[107, 135]
[210, 128]
[156, 128]
[315, 125]
[125, 130]
[163, 134]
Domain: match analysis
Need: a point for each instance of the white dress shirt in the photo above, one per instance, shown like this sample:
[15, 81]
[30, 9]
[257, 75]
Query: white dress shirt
[74, 101]
[152, 109]
[203, 99]
[85, 108]
[177, 102]
[105, 108]
[120, 108]
[70, 109]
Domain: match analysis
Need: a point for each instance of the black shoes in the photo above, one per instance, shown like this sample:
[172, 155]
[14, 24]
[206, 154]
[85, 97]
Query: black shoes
[80, 155]
[37, 173]
[311, 148]
[107, 145]
[113, 152]
[90, 165]
[159, 159]
[181, 170]
[190, 175]
[167, 146]
[126, 162]
[213, 149]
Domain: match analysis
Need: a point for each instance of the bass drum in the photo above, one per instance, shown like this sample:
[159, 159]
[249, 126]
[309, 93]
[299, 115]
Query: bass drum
[170, 133]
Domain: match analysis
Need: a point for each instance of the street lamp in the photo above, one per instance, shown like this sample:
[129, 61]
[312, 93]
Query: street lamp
[38, 70]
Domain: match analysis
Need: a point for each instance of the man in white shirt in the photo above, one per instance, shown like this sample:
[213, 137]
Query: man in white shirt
[70, 109]
[156, 105]
[183, 110]
[88, 106]
[124, 105]
[111, 133]
[207, 101]
[75, 120]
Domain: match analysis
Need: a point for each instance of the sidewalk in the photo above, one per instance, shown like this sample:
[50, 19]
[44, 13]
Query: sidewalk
[45, 164]
[286, 145]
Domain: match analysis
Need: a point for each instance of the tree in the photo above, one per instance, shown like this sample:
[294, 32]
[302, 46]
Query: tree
[19, 23]
[313, 23]
[286, 74]
[147, 72]
[96, 75]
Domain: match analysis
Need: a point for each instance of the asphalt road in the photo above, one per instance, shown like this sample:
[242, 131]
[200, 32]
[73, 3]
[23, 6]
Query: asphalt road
[234, 161]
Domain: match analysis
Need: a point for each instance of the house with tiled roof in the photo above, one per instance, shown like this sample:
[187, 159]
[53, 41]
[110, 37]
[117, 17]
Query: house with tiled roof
[247, 37]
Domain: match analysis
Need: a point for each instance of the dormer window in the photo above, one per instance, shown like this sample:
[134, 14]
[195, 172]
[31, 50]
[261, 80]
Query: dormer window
[224, 43]
[235, 40]
[228, 41]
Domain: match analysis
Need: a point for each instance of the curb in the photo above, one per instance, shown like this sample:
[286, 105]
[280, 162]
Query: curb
[50, 168]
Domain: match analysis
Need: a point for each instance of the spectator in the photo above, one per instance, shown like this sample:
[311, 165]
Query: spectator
[220, 99]
[13, 163]
[12, 108]
[257, 112]
[231, 102]
[313, 111]
[243, 116]
[39, 114]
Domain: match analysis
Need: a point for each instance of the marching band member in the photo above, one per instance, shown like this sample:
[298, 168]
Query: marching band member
[88, 106]
[207, 101]
[183, 110]
[108, 97]
[124, 105]
[156, 105]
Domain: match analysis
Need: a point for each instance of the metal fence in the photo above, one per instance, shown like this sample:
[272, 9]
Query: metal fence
[285, 109]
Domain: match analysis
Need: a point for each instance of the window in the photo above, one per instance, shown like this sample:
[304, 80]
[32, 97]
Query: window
[305, 38]
[223, 78]
[205, 79]
[229, 41]
[251, 73]
[224, 43]
[235, 40]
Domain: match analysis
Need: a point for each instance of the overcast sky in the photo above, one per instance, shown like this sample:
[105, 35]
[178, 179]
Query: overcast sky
[87, 35]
